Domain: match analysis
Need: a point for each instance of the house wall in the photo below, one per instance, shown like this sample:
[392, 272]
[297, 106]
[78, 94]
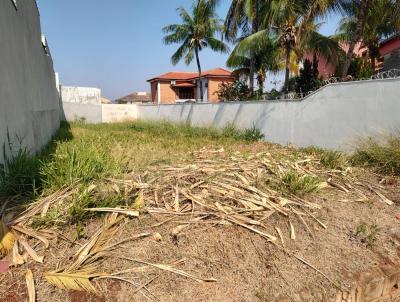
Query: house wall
[29, 100]
[213, 87]
[168, 95]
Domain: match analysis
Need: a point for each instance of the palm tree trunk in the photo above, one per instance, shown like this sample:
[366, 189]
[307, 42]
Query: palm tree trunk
[254, 29]
[288, 49]
[199, 69]
[357, 35]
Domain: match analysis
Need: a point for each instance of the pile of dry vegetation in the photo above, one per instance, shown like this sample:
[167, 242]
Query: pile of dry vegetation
[278, 196]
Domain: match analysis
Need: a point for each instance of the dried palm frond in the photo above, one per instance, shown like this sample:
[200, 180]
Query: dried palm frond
[30, 284]
[77, 276]
[79, 280]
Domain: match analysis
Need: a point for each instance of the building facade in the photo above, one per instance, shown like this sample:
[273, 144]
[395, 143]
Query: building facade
[29, 100]
[180, 87]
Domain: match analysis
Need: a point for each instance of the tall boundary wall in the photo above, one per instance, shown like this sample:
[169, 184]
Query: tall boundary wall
[332, 117]
[29, 100]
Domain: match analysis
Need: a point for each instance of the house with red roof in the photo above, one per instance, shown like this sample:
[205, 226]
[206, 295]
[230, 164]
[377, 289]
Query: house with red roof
[180, 87]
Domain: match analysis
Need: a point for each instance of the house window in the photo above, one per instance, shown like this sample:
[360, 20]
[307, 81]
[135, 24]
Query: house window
[186, 93]
[15, 3]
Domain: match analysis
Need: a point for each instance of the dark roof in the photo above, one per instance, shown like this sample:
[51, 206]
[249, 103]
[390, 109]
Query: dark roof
[136, 97]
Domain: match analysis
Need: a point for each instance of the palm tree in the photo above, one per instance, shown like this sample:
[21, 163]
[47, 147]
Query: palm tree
[381, 20]
[266, 56]
[291, 23]
[244, 15]
[197, 31]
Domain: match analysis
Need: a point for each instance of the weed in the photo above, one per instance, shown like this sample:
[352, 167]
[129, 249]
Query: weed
[18, 174]
[300, 184]
[252, 134]
[230, 130]
[367, 233]
[383, 154]
[85, 199]
[330, 159]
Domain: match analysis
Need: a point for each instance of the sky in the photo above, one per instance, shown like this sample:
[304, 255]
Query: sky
[116, 45]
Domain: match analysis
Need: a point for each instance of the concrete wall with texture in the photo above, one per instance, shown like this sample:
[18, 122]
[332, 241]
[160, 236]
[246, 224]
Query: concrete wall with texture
[333, 117]
[82, 95]
[29, 101]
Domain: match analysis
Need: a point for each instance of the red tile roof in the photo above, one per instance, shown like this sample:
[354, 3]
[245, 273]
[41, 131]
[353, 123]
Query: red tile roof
[182, 75]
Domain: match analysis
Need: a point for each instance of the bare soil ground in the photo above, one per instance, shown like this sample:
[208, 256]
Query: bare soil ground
[247, 267]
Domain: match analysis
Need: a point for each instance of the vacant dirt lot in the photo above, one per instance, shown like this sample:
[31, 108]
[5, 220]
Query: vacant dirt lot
[203, 216]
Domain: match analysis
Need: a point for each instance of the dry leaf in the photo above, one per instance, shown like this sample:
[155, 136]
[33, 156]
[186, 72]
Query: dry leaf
[79, 281]
[30, 284]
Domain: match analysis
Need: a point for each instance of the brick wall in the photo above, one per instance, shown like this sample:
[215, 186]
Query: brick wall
[213, 87]
[168, 94]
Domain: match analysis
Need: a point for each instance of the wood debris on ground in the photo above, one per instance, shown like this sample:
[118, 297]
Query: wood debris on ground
[216, 189]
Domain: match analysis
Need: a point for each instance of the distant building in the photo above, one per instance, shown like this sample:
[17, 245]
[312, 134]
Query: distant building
[389, 58]
[105, 101]
[135, 98]
[390, 51]
[178, 87]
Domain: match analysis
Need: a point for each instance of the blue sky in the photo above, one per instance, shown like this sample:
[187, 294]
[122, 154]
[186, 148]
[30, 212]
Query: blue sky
[116, 45]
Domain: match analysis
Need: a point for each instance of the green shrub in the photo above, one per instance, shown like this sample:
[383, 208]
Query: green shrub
[383, 154]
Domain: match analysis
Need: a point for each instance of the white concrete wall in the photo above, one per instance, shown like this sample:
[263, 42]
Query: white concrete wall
[29, 101]
[82, 95]
[118, 113]
[103, 113]
[333, 117]
[90, 113]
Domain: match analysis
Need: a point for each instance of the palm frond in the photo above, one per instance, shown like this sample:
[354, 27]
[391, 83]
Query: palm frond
[79, 281]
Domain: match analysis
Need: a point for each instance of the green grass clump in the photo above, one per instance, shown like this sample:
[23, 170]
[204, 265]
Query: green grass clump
[77, 162]
[383, 154]
[330, 159]
[300, 185]
[19, 174]
[252, 134]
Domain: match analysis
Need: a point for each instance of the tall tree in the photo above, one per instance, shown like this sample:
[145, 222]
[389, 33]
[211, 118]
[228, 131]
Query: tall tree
[243, 18]
[291, 23]
[361, 8]
[267, 58]
[380, 21]
[197, 31]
